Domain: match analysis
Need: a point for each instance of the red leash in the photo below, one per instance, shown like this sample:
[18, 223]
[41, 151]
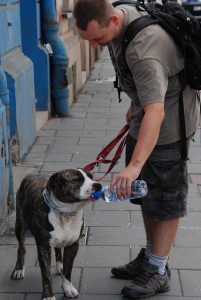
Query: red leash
[101, 157]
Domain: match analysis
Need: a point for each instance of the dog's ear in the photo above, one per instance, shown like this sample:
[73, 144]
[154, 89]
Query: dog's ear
[53, 181]
[90, 175]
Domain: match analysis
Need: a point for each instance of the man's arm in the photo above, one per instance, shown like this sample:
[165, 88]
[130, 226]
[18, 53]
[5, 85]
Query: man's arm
[147, 139]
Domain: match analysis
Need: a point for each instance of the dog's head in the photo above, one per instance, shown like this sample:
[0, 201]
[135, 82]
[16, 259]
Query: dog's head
[72, 185]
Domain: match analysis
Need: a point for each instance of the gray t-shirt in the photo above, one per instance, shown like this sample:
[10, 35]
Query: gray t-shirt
[154, 61]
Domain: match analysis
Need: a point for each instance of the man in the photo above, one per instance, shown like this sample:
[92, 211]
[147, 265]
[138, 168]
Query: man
[153, 149]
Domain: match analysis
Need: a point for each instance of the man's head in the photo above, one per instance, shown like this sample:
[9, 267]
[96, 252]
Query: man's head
[97, 21]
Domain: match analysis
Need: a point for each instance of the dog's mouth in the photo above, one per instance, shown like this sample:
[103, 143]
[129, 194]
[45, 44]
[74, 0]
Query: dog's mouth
[96, 187]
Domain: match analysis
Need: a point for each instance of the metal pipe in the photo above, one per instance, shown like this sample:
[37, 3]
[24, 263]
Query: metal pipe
[4, 99]
[58, 60]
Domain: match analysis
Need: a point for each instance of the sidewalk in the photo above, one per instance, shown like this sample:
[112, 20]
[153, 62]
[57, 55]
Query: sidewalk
[113, 232]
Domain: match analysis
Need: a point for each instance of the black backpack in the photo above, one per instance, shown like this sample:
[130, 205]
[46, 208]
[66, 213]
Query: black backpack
[186, 32]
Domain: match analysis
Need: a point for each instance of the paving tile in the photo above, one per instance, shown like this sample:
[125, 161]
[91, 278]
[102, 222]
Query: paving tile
[196, 178]
[114, 123]
[48, 132]
[112, 115]
[96, 124]
[38, 296]
[53, 124]
[71, 125]
[44, 140]
[11, 240]
[100, 104]
[119, 205]
[102, 256]
[32, 281]
[8, 256]
[136, 219]
[194, 168]
[192, 220]
[191, 283]
[165, 297]
[99, 297]
[58, 157]
[81, 133]
[14, 296]
[100, 142]
[78, 115]
[20, 171]
[98, 281]
[80, 104]
[39, 148]
[35, 157]
[55, 166]
[185, 258]
[194, 203]
[193, 191]
[116, 236]
[195, 155]
[188, 237]
[106, 218]
[77, 149]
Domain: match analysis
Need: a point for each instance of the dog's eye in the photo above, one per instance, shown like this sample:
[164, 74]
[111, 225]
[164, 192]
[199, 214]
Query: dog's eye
[90, 175]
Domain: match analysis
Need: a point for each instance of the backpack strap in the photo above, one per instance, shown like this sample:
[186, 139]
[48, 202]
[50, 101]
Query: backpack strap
[120, 2]
[116, 82]
[183, 83]
[133, 29]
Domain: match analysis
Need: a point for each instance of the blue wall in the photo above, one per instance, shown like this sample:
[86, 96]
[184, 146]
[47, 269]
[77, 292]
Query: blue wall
[6, 175]
[20, 77]
[31, 46]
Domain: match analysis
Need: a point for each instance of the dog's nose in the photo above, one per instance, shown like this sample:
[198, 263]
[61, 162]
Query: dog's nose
[97, 186]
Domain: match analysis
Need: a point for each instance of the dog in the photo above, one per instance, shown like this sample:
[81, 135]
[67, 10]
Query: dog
[52, 210]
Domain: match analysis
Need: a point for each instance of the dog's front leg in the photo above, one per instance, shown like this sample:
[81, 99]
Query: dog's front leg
[44, 257]
[59, 260]
[70, 253]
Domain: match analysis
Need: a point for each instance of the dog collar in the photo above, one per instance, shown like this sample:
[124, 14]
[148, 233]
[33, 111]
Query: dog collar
[53, 207]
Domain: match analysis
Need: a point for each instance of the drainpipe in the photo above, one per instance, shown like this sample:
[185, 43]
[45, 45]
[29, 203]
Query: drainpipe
[4, 98]
[58, 59]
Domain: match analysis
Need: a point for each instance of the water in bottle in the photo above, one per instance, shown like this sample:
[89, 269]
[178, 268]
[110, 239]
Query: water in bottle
[138, 190]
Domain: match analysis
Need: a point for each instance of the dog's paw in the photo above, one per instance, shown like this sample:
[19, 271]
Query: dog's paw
[68, 289]
[18, 274]
[59, 268]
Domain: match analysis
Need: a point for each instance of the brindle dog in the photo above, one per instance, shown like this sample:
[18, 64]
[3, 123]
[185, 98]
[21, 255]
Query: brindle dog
[53, 212]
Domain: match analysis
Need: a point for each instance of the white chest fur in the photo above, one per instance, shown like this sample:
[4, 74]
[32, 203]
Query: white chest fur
[66, 230]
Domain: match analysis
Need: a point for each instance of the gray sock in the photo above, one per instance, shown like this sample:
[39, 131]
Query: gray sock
[159, 261]
[148, 248]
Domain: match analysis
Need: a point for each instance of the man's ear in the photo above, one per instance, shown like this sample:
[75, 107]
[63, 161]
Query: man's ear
[115, 19]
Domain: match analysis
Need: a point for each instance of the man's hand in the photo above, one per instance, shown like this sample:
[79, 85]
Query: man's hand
[122, 182]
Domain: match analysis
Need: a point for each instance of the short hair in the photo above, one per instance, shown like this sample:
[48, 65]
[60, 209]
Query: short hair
[88, 10]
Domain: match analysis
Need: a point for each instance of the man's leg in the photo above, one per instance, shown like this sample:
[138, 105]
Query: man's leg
[153, 242]
[157, 230]
[163, 235]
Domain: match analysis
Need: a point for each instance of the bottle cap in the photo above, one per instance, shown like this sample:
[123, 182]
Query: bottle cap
[96, 195]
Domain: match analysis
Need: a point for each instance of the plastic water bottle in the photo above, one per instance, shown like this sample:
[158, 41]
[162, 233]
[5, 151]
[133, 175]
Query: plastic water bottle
[138, 190]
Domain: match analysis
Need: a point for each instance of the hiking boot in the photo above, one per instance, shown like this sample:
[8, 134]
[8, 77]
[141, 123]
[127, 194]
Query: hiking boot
[133, 268]
[148, 283]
